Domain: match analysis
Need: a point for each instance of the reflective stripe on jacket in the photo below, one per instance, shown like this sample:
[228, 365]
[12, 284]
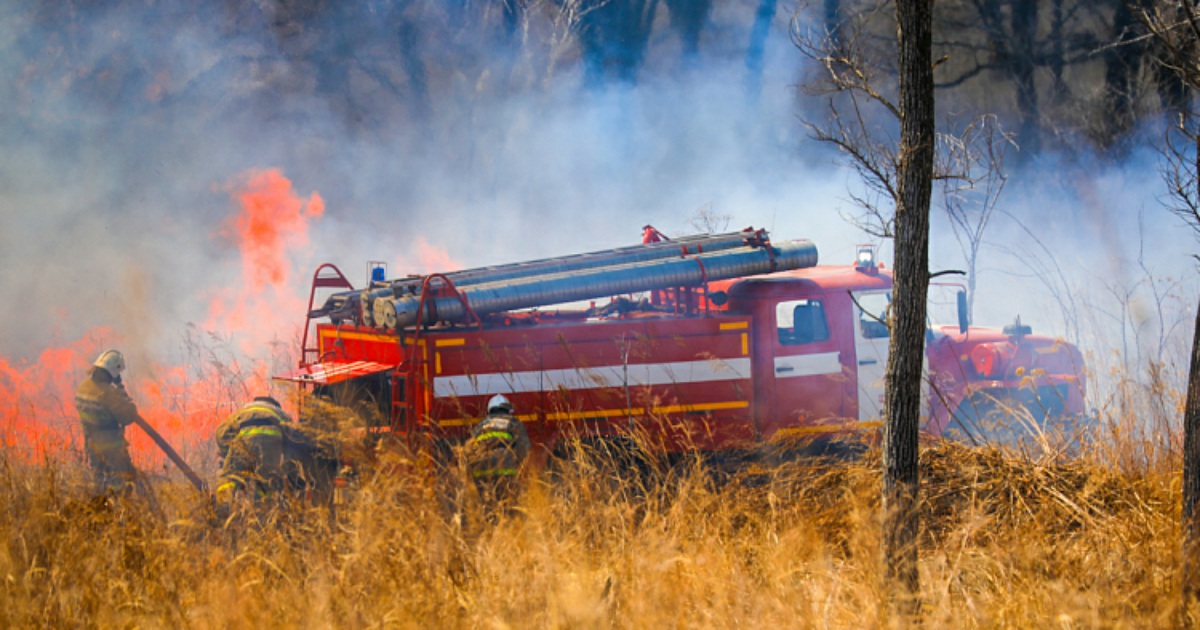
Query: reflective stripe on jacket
[494, 472]
[254, 413]
[259, 430]
[493, 435]
[498, 447]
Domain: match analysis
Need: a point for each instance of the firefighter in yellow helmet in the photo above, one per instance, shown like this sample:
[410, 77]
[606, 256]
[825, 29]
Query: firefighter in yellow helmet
[105, 409]
[250, 443]
[494, 453]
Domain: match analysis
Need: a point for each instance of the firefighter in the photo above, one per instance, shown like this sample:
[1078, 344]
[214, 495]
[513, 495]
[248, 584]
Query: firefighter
[105, 409]
[250, 443]
[495, 451]
[650, 234]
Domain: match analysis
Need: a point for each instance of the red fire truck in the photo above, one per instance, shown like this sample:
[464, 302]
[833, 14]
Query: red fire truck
[708, 342]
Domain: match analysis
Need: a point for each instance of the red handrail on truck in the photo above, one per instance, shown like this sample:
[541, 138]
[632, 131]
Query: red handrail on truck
[338, 281]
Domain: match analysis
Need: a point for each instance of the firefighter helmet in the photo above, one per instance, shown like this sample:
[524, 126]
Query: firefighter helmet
[112, 361]
[499, 404]
[268, 400]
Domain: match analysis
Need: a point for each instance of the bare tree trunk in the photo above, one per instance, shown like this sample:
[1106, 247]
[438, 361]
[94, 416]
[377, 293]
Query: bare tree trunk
[758, 44]
[1176, 32]
[1122, 64]
[613, 38]
[1190, 570]
[1024, 70]
[689, 18]
[902, 398]
[1191, 475]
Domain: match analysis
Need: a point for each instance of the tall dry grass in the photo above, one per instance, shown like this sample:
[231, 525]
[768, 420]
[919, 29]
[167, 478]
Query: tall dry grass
[1007, 542]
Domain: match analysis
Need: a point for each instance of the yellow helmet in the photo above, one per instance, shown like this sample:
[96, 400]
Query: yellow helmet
[112, 361]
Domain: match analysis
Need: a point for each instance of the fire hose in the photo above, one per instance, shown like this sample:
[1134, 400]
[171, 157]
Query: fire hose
[171, 454]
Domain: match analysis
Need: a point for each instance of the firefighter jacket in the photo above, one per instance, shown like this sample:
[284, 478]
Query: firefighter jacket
[105, 409]
[497, 447]
[251, 444]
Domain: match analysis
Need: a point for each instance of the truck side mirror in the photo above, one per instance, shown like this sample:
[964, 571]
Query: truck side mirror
[962, 312]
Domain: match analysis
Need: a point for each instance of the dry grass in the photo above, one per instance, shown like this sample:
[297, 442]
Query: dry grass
[1007, 543]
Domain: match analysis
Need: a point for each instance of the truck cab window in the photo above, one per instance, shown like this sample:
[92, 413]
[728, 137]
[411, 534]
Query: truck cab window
[873, 314]
[800, 322]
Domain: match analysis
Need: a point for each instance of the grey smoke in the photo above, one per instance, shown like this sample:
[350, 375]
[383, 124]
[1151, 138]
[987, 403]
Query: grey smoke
[123, 124]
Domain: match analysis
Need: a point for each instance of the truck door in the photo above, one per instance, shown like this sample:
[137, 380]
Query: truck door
[807, 369]
[871, 351]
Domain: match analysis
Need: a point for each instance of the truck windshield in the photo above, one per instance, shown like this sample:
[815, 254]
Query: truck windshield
[942, 307]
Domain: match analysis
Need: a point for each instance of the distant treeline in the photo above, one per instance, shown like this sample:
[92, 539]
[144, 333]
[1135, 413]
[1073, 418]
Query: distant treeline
[1067, 75]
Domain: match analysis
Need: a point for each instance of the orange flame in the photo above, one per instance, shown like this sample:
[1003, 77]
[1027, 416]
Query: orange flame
[431, 259]
[271, 219]
[271, 223]
[37, 409]
[183, 402]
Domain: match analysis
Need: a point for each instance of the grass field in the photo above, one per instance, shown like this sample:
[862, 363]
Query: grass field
[1007, 542]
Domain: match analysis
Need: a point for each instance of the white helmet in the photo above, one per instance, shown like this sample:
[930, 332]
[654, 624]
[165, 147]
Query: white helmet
[112, 361]
[499, 403]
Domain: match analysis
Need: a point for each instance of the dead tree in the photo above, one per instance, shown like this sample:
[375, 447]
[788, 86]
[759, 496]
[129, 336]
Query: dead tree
[1181, 168]
[1175, 27]
[902, 389]
[613, 36]
[900, 171]
[974, 165]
